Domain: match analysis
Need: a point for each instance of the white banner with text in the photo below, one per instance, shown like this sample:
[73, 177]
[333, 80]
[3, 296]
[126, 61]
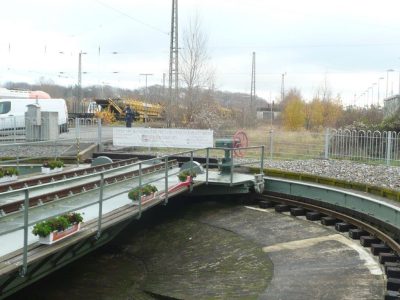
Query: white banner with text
[162, 137]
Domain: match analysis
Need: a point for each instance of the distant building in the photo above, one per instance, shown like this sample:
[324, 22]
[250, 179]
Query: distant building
[391, 105]
[266, 115]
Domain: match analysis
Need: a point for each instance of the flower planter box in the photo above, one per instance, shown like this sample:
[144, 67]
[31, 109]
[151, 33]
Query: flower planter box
[56, 236]
[8, 178]
[146, 198]
[49, 171]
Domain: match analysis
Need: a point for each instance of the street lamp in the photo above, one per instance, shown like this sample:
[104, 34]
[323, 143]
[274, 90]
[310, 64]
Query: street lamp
[362, 98]
[372, 102]
[372, 94]
[387, 80]
[379, 84]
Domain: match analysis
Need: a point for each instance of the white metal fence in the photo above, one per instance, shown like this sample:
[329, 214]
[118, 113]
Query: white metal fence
[366, 146]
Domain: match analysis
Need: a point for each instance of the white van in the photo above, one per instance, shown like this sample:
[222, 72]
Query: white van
[12, 112]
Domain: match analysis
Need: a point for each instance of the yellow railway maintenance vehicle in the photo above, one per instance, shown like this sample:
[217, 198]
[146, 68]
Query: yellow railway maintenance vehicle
[143, 111]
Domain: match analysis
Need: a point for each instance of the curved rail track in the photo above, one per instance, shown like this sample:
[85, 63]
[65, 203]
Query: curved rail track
[10, 186]
[48, 196]
[381, 243]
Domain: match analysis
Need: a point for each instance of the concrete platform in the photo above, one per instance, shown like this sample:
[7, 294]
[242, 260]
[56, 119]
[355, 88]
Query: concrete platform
[311, 261]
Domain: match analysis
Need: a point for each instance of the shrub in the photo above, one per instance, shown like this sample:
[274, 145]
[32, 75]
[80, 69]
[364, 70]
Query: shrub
[184, 174]
[59, 223]
[146, 190]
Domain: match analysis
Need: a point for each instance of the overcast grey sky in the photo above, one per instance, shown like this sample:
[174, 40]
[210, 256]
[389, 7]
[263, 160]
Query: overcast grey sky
[348, 43]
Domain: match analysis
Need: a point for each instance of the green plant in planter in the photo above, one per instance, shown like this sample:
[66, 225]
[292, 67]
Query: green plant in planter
[52, 164]
[8, 171]
[146, 190]
[42, 229]
[184, 174]
[75, 218]
[59, 223]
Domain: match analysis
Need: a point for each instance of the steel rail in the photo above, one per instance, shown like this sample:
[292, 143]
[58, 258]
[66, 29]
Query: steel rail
[11, 186]
[341, 216]
[15, 206]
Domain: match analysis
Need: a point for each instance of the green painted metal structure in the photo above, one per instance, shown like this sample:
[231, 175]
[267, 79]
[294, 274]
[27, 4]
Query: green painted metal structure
[383, 212]
[34, 261]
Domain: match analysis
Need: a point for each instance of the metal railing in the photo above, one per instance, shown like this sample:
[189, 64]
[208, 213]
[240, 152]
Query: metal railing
[138, 181]
[366, 146]
[19, 129]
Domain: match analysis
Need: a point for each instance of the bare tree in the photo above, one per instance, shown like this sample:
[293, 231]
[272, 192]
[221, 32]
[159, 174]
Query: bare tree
[195, 70]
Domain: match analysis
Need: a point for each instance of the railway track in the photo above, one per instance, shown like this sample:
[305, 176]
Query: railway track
[64, 175]
[381, 243]
[44, 196]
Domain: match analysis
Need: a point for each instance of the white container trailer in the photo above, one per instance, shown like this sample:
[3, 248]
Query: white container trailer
[12, 112]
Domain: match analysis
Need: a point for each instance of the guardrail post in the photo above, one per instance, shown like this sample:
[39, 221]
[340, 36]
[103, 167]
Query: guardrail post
[231, 175]
[140, 191]
[262, 161]
[388, 147]
[100, 218]
[207, 163]
[24, 267]
[166, 181]
[99, 137]
[327, 136]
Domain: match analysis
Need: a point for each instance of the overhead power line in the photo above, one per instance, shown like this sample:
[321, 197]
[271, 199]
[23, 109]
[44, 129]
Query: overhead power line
[130, 17]
[355, 45]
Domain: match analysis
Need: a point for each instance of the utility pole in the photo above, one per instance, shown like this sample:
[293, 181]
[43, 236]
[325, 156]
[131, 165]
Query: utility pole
[163, 84]
[173, 62]
[146, 94]
[253, 88]
[283, 87]
[79, 100]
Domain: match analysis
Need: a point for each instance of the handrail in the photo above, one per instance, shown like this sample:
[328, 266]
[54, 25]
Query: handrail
[103, 181]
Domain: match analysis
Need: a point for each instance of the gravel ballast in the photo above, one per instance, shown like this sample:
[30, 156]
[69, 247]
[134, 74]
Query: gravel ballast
[377, 175]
